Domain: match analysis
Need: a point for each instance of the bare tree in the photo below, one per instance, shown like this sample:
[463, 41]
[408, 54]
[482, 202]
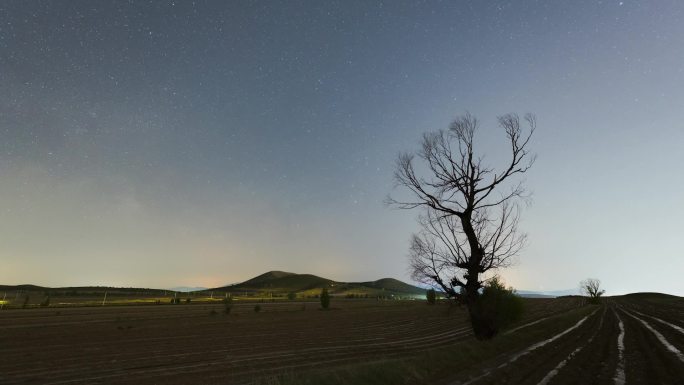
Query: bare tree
[591, 287]
[467, 228]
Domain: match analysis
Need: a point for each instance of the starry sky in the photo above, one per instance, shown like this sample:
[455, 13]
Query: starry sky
[200, 143]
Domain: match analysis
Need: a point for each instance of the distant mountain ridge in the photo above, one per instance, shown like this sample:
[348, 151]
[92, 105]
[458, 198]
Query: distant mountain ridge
[547, 294]
[187, 289]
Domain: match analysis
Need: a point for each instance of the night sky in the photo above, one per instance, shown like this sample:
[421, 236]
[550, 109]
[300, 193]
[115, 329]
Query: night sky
[200, 143]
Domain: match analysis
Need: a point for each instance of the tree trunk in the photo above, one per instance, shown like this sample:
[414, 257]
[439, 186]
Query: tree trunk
[482, 324]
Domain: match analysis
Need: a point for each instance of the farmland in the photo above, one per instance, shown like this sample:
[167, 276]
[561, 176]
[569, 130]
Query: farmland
[620, 342]
[357, 341]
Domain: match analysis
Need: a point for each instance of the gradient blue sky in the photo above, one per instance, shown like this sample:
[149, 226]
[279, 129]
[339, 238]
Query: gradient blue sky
[172, 143]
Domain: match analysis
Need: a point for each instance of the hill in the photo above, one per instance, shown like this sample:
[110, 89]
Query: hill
[74, 291]
[24, 287]
[272, 283]
[650, 295]
[266, 277]
[394, 285]
[281, 283]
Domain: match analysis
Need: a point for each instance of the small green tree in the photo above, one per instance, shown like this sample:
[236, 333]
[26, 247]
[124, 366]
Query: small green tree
[26, 302]
[431, 296]
[325, 298]
[46, 301]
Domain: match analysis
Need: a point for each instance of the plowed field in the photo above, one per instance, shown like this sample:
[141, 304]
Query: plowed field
[634, 339]
[199, 344]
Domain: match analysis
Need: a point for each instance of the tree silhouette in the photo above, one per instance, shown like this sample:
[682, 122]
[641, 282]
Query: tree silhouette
[431, 296]
[325, 299]
[467, 228]
[591, 287]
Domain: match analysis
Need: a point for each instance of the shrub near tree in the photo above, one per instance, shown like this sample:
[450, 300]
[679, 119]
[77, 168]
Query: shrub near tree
[431, 296]
[325, 299]
[499, 305]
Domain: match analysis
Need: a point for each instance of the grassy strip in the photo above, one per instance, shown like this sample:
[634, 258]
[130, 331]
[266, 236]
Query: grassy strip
[433, 366]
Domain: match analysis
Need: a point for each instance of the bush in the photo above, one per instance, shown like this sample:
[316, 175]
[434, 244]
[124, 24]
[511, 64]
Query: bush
[46, 302]
[187, 300]
[325, 299]
[291, 295]
[497, 308]
[26, 302]
[228, 304]
[431, 296]
[257, 308]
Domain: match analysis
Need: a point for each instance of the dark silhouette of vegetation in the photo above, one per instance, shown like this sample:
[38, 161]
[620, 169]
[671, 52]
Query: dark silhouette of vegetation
[291, 295]
[325, 299]
[470, 211]
[26, 302]
[188, 300]
[228, 304]
[499, 306]
[257, 308]
[431, 296]
[46, 301]
[591, 287]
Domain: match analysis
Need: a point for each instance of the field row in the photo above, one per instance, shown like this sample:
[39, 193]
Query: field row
[624, 341]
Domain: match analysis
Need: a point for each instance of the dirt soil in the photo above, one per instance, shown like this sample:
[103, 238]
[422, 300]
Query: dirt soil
[627, 340]
[200, 344]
